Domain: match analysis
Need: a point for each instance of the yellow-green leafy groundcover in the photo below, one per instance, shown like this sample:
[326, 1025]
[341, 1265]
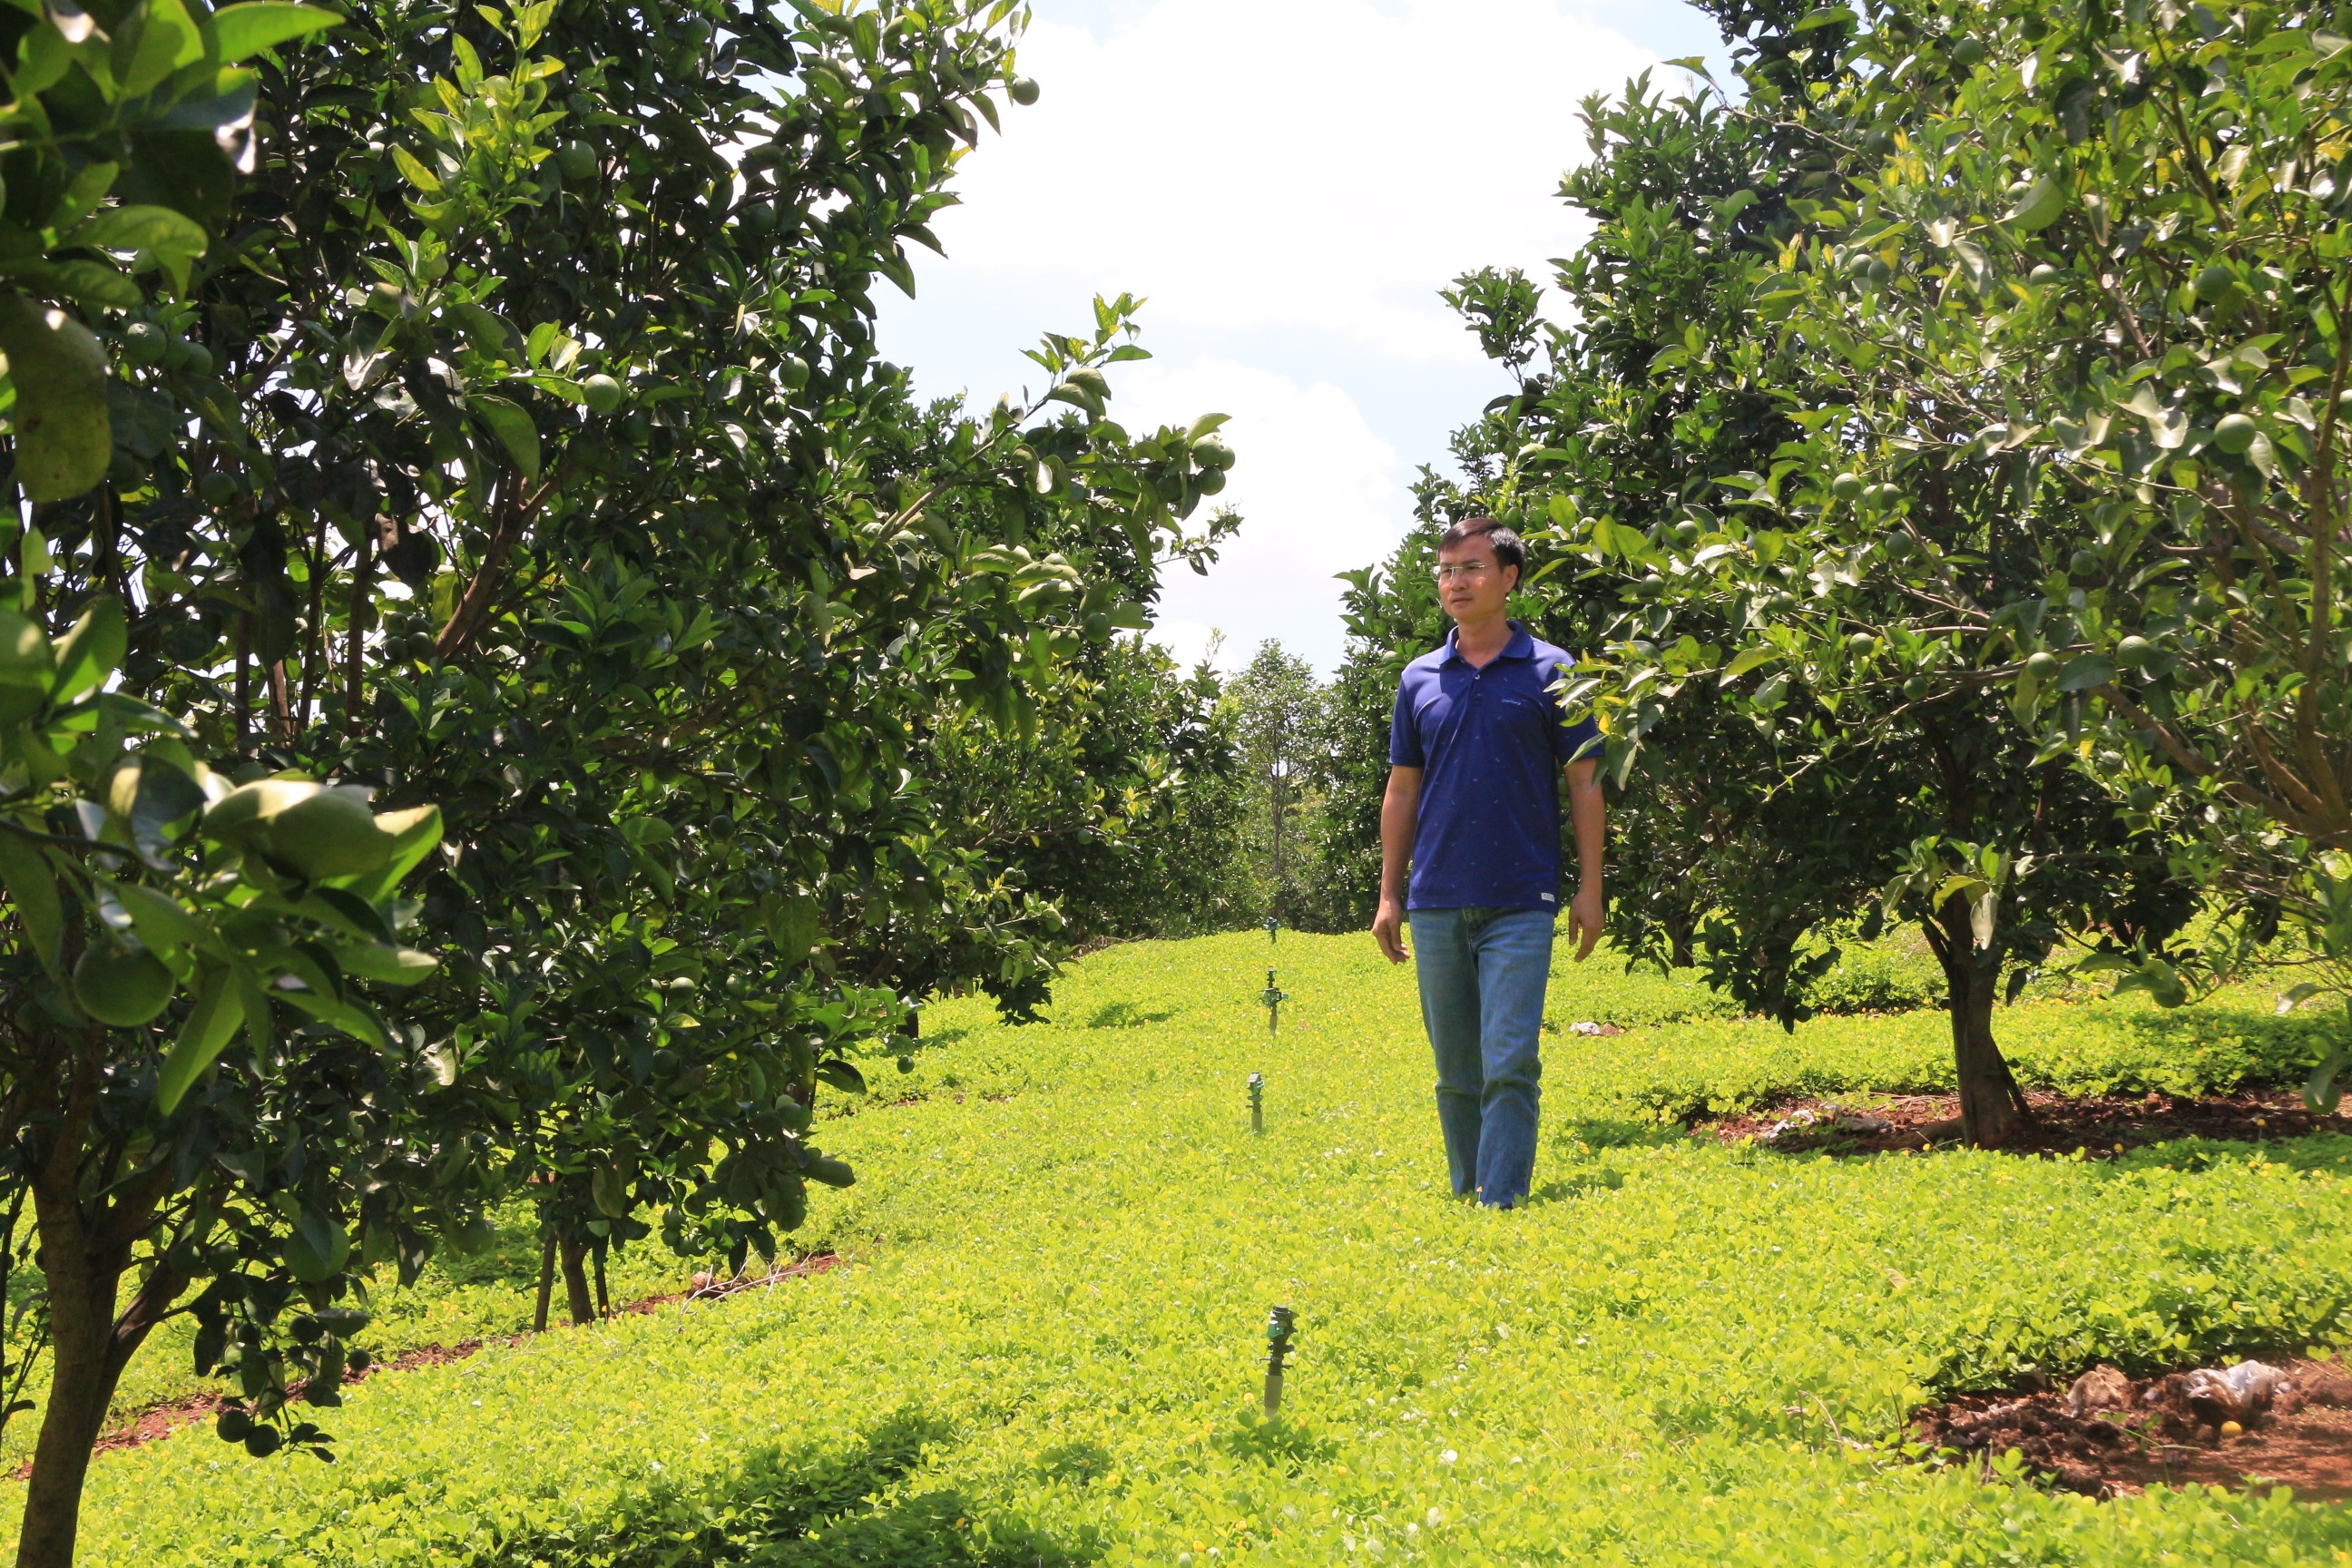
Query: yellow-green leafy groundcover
[1065, 1241]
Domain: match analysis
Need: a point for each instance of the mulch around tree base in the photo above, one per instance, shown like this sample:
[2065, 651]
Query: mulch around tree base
[2304, 1442]
[2096, 1124]
[159, 1421]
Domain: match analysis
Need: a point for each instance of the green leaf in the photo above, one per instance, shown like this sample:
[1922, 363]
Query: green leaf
[316, 1248]
[2086, 673]
[91, 651]
[512, 424]
[832, 1172]
[842, 1076]
[1748, 659]
[423, 178]
[64, 439]
[157, 234]
[210, 1026]
[167, 40]
[33, 888]
[161, 922]
[389, 964]
[2321, 1092]
[2042, 206]
[238, 32]
[415, 832]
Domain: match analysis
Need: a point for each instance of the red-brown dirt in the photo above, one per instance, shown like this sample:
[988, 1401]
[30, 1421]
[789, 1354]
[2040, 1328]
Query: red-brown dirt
[2156, 1439]
[2095, 1124]
[159, 1421]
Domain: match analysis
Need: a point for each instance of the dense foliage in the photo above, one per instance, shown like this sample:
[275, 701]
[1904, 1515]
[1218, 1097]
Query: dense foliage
[1682, 1351]
[482, 409]
[2052, 494]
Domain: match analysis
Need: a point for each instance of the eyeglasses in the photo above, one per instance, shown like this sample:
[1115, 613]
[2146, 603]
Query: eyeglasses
[1468, 572]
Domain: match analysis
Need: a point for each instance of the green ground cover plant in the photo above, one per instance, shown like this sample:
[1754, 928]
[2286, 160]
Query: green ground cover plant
[1047, 1348]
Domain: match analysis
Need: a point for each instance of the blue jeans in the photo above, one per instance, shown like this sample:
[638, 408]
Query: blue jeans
[1481, 975]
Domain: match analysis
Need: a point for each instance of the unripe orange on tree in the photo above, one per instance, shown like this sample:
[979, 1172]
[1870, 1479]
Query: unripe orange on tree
[1846, 487]
[1024, 91]
[603, 394]
[2235, 434]
[121, 986]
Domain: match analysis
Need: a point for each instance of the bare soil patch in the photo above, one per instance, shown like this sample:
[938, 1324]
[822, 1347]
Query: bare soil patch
[2101, 1126]
[2154, 1432]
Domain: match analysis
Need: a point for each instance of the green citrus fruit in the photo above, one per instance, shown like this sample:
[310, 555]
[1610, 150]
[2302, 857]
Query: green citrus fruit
[2215, 282]
[123, 986]
[2236, 433]
[142, 343]
[1024, 91]
[603, 394]
[2042, 667]
[1846, 487]
[2135, 653]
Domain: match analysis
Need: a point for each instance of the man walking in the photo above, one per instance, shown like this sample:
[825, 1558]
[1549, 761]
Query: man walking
[1476, 754]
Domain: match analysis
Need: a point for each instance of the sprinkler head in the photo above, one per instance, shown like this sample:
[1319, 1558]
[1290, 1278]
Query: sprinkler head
[1281, 1327]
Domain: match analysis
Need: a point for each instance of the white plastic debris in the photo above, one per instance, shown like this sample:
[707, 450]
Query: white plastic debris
[2234, 1394]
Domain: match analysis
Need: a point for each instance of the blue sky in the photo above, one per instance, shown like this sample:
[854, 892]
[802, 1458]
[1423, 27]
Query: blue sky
[1290, 182]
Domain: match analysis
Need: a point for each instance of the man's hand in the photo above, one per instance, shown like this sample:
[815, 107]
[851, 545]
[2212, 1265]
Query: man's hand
[1584, 914]
[1388, 928]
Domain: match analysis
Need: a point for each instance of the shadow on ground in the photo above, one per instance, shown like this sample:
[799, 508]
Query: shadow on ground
[811, 1507]
[1122, 1015]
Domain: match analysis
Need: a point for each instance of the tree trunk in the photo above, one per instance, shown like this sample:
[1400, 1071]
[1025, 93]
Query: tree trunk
[80, 1392]
[82, 1258]
[1992, 1109]
[546, 1282]
[603, 1301]
[575, 1281]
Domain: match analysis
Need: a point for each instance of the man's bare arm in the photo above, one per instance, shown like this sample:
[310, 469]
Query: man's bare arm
[1399, 815]
[1588, 812]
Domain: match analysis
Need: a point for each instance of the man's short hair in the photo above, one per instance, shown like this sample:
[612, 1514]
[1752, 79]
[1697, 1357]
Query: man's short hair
[1510, 549]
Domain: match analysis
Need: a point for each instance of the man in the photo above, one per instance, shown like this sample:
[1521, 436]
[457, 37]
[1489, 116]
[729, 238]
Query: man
[1475, 754]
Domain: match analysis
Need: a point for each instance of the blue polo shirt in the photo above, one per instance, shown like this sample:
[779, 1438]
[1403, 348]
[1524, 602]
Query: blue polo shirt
[1491, 744]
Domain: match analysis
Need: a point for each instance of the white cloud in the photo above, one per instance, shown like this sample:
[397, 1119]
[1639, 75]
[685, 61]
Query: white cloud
[1319, 164]
[1318, 491]
[1289, 182]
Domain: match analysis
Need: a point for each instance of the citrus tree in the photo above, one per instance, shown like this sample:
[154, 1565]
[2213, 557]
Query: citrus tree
[2108, 256]
[203, 1099]
[481, 408]
[1826, 757]
[2091, 262]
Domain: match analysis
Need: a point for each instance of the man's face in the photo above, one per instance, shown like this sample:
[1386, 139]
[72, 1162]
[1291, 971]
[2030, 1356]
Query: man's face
[1471, 585]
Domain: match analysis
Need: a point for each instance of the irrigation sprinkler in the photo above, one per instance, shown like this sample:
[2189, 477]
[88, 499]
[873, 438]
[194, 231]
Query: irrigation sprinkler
[1281, 1327]
[1271, 925]
[1273, 997]
[1257, 1101]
